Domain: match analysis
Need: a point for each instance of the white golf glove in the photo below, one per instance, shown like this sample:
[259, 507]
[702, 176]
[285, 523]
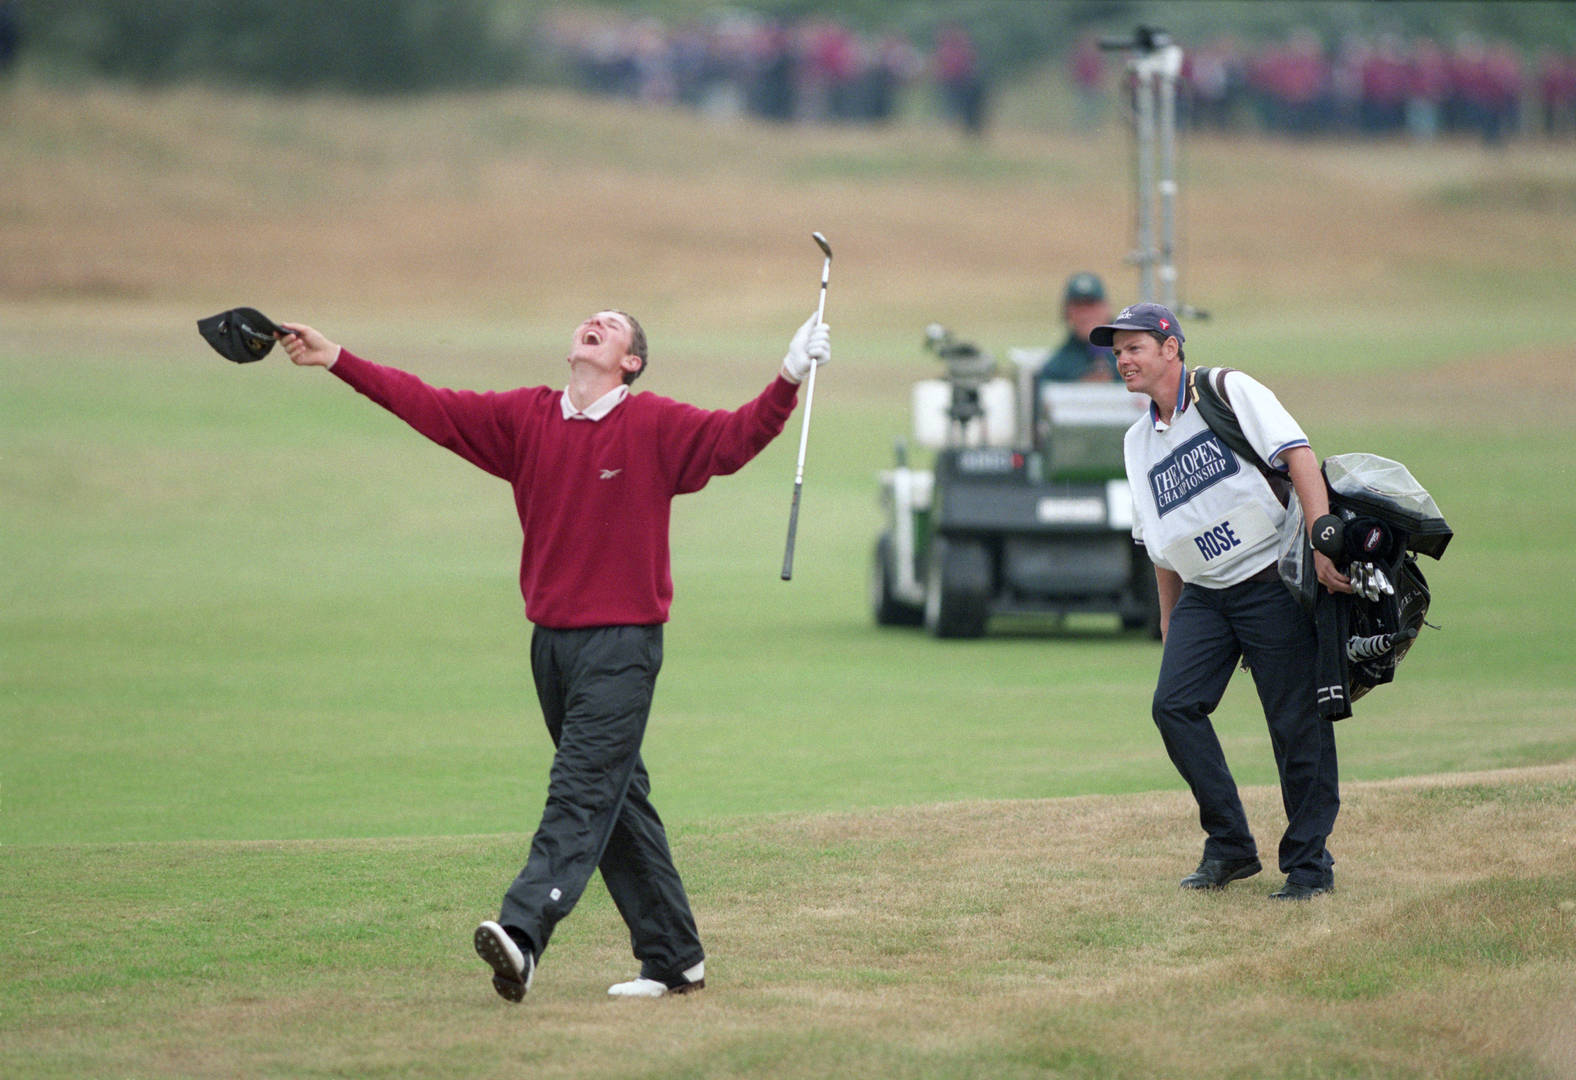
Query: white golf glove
[811, 344]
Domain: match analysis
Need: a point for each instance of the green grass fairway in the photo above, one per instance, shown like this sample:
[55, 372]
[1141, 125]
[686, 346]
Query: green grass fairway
[1022, 938]
[270, 747]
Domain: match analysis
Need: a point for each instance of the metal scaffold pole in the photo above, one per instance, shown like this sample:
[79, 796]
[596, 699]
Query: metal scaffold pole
[1144, 253]
[1156, 66]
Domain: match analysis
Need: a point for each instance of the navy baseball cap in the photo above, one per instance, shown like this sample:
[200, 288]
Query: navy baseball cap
[1154, 317]
[1083, 287]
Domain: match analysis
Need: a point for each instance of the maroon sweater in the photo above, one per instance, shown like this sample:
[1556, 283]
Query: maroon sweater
[593, 496]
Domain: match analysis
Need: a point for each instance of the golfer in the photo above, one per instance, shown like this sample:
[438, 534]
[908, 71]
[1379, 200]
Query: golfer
[1209, 522]
[594, 469]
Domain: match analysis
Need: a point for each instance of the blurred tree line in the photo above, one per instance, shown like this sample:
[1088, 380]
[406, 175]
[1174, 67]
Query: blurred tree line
[372, 46]
[380, 46]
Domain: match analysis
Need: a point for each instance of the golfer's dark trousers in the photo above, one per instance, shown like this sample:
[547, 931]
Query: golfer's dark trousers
[1261, 622]
[595, 686]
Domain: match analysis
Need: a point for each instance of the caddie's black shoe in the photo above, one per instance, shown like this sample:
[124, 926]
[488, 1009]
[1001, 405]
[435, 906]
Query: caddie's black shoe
[1218, 873]
[1295, 890]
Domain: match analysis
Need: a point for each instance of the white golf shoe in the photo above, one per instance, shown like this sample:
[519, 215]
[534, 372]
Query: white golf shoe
[513, 967]
[694, 979]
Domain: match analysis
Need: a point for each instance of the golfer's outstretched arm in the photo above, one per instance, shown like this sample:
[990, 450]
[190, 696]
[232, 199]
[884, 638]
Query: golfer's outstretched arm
[698, 445]
[483, 428]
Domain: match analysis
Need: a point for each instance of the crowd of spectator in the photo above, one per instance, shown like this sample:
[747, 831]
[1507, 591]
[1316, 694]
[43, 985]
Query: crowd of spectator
[819, 69]
[1383, 86]
[747, 64]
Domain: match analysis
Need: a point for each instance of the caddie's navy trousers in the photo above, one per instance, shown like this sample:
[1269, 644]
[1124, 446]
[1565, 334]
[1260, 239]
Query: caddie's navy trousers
[1210, 629]
[595, 687]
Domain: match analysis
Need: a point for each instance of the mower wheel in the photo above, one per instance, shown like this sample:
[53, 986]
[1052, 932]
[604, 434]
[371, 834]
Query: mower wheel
[957, 588]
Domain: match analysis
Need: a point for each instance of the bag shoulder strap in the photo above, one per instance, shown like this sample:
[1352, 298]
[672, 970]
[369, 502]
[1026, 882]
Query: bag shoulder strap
[1206, 389]
[1215, 407]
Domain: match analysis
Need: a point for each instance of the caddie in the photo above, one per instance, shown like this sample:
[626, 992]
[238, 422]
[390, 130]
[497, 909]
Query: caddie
[1209, 521]
[594, 469]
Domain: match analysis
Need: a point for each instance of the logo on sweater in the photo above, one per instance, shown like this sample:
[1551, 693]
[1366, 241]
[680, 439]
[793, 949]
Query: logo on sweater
[608, 474]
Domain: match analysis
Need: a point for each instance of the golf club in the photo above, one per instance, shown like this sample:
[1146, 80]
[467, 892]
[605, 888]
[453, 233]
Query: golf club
[809, 398]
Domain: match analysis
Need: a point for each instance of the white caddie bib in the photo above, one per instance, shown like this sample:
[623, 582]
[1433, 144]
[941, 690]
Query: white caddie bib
[1219, 545]
[1198, 508]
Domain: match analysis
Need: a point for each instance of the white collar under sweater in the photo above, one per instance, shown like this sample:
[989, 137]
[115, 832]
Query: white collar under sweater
[598, 408]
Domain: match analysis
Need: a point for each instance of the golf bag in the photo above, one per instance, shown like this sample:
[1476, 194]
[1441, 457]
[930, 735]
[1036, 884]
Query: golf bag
[1388, 519]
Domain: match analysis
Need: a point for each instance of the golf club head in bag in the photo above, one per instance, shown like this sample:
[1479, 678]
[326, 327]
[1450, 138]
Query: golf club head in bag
[1382, 632]
[240, 335]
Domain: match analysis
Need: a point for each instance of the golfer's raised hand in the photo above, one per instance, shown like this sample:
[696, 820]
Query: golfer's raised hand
[811, 344]
[308, 348]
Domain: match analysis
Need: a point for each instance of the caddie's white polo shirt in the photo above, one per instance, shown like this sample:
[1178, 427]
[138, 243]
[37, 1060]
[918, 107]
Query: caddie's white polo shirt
[1197, 508]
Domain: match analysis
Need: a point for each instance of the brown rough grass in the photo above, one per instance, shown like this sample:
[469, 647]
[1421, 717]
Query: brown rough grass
[527, 200]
